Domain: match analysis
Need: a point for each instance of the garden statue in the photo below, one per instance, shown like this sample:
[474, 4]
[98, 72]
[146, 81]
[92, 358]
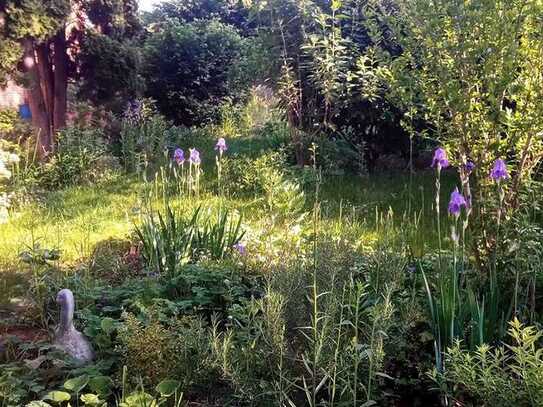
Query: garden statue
[67, 337]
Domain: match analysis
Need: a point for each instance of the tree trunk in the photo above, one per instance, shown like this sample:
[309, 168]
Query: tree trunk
[36, 101]
[61, 80]
[43, 54]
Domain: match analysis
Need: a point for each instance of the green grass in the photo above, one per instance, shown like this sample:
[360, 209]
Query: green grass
[75, 219]
[78, 218]
[72, 220]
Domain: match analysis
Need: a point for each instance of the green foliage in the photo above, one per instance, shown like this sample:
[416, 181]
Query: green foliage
[7, 160]
[506, 375]
[468, 71]
[12, 127]
[251, 353]
[81, 157]
[189, 11]
[167, 241]
[110, 69]
[187, 68]
[266, 177]
[207, 289]
[170, 241]
[115, 18]
[345, 152]
[114, 260]
[153, 352]
[27, 19]
[144, 138]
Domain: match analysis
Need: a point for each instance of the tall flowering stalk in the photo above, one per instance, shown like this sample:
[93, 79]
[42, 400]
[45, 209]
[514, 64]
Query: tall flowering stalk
[220, 147]
[456, 203]
[439, 162]
[194, 171]
[445, 305]
[498, 174]
[179, 158]
[465, 172]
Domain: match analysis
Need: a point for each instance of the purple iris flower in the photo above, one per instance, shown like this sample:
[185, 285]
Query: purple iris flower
[240, 247]
[179, 156]
[194, 156]
[456, 202]
[440, 158]
[221, 145]
[499, 171]
[470, 166]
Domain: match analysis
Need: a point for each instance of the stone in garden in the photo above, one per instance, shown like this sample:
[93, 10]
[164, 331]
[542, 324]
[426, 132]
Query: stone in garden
[67, 337]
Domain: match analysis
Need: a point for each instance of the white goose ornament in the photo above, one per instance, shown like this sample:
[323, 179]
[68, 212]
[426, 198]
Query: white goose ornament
[67, 337]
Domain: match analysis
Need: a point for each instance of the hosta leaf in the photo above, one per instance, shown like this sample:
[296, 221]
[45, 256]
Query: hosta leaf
[57, 396]
[38, 404]
[76, 384]
[167, 387]
[101, 385]
[108, 325]
[90, 399]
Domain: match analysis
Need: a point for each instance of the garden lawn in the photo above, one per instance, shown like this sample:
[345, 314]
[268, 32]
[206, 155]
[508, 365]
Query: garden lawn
[74, 220]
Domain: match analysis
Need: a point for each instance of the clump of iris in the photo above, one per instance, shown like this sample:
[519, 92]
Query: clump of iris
[194, 156]
[179, 172]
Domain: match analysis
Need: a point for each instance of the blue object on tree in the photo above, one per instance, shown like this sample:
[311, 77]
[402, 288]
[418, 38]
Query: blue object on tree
[24, 112]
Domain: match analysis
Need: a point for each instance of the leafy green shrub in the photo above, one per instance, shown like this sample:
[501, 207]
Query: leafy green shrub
[13, 386]
[503, 376]
[208, 288]
[7, 160]
[81, 157]
[12, 127]
[344, 152]
[8, 117]
[115, 260]
[264, 176]
[478, 102]
[152, 351]
[143, 138]
[187, 68]
[111, 68]
[147, 349]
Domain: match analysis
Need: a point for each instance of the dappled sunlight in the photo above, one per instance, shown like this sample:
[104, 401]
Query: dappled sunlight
[271, 203]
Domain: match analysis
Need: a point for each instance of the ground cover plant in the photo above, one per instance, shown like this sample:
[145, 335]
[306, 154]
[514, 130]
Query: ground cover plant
[274, 203]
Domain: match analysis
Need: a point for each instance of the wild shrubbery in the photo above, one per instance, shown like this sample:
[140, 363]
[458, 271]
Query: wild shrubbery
[320, 294]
